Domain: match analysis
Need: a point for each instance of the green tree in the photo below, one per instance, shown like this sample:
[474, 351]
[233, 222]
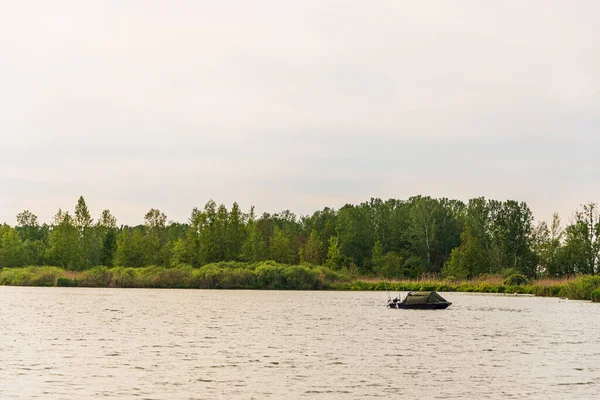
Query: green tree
[130, 248]
[107, 220]
[334, 257]
[88, 245]
[64, 241]
[356, 235]
[513, 231]
[11, 248]
[179, 253]
[107, 232]
[34, 238]
[28, 226]
[580, 251]
[377, 256]
[220, 234]
[208, 248]
[254, 248]
[280, 248]
[312, 250]
[472, 257]
[547, 242]
[422, 228]
[154, 227]
[235, 233]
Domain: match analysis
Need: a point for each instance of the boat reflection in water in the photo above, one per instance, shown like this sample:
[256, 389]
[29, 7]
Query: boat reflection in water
[420, 301]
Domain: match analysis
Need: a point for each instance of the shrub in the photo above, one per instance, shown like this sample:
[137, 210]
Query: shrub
[64, 282]
[427, 286]
[519, 289]
[505, 273]
[485, 287]
[16, 277]
[97, 277]
[596, 296]
[581, 288]
[301, 278]
[270, 275]
[44, 276]
[444, 287]
[516, 280]
[124, 277]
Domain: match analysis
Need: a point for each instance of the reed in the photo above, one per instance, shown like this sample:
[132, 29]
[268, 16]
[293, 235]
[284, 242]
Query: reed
[272, 275]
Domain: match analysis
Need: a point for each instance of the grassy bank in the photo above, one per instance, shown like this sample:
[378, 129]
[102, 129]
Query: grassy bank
[264, 275]
[583, 287]
[271, 275]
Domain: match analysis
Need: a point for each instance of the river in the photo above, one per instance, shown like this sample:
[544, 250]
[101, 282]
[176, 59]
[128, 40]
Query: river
[80, 343]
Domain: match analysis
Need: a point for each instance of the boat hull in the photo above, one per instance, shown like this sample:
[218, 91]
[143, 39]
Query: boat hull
[428, 306]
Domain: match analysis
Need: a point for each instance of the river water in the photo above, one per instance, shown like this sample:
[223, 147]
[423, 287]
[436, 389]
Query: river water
[79, 343]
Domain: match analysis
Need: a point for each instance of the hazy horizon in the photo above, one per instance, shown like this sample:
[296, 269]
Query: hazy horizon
[285, 105]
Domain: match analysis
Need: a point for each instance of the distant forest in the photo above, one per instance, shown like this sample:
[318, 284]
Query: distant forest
[392, 238]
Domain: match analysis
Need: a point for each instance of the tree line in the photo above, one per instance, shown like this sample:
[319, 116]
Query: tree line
[392, 238]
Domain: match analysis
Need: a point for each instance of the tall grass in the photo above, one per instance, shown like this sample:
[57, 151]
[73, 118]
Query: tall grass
[264, 275]
[271, 275]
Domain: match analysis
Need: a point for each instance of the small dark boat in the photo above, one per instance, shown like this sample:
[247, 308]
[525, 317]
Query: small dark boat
[420, 301]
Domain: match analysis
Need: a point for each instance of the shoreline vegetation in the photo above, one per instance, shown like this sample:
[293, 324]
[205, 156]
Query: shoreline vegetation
[420, 243]
[270, 275]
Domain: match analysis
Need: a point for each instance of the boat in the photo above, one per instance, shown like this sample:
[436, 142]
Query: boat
[420, 301]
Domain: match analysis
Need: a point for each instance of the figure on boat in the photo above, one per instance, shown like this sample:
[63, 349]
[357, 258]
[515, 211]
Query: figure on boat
[420, 301]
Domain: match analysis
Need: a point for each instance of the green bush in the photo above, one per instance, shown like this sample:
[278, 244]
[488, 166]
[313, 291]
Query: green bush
[45, 276]
[547, 291]
[64, 282]
[301, 278]
[270, 275]
[581, 288]
[16, 277]
[505, 273]
[427, 286]
[519, 289]
[97, 277]
[486, 287]
[596, 296]
[445, 287]
[516, 280]
[124, 277]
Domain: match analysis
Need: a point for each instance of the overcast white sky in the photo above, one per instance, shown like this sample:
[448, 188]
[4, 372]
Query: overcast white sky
[296, 104]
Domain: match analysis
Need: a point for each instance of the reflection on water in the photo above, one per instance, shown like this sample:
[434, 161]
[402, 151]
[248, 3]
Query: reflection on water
[74, 343]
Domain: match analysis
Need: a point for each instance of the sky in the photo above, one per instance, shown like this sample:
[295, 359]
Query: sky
[297, 105]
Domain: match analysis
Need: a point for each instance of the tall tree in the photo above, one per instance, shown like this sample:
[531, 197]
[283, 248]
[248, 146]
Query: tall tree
[130, 248]
[64, 241]
[334, 257]
[28, 226]
[34, 236]
[254, 248]
[311, 251]
[280, 247]
[356, 235]
[11, 248]
[221, 233]
[423, 226]
[107, 220]
[154, 227]
[547, 242]
[235, 233]
[207, 237]
[88, 246]
[472, 257]
[107, 235]
[582, 242]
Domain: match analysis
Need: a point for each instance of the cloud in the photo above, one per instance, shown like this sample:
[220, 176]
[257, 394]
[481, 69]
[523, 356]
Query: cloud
[296, 105]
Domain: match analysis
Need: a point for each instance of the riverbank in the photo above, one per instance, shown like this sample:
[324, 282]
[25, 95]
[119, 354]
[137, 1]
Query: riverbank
[271, 275]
